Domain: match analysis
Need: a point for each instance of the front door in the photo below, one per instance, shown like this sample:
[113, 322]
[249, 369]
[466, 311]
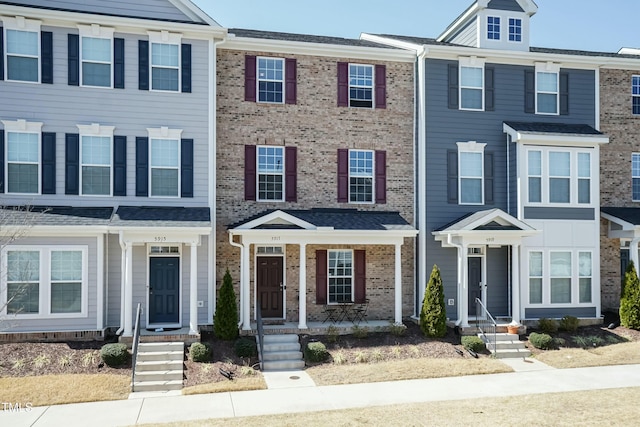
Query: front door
[270, 286]
[474, 283]
[164, 290]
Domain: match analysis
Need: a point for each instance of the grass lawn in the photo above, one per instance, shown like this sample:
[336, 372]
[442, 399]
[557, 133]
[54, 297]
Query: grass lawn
[616, 354]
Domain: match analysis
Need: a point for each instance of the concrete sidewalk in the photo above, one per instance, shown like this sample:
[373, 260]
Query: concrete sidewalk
[308, 397]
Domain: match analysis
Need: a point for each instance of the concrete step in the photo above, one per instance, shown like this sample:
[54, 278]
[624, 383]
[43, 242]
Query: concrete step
[501, 337]
[506, 345]
[147, 347]
[282, 365]
[512, 353]
[157, 385]
[293, 346]
[158, 365]
[168, 375]
[282, 355]
[281, 338]
[148, 356]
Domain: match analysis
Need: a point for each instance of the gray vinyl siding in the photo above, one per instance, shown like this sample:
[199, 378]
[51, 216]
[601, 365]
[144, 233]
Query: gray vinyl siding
[505, 5]
[58, 323]
[557, 313]
[62, 107]
[445, 127]
[148, 9]
[583, 214]
[468, 35]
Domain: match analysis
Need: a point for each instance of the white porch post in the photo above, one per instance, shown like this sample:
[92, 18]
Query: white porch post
[302, 298]
[193, 290]
[246, 289]
[398, 285]
[633, 252]
[515, 283]
[464, 297]
[128, 290]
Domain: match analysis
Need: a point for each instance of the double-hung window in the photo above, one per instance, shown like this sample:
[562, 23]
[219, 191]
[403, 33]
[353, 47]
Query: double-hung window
[493, 27]
[361, 85]
[340, 276]
[271, 80]
[96, 48]
[585, 273]
[270, 173]
[164, 165]
[23, 282]
[584, 178]
[361, 170]
[635, 176]
[165, 61]
[22, 42]
[22, 173]
[96, 150]
[535, 277]
[635, 95]
[547, 88]
[534, 165]
[471, 87]
[515, 29]
[559, 177]
[560, 277]
[471, 173]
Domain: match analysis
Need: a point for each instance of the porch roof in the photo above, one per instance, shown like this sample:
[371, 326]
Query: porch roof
[625, 217]
[576, 134]
[55, 216]
[161, 216]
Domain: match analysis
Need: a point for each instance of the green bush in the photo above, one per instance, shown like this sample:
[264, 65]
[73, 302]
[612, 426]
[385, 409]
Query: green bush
[315, 352]
[630, 299]
[548, 326]
[199, 352]
[360, 332]
[225, 321]
[433, 315]
[245, 347]
[332, 334]
[541, 341]
[114, 354]
[473, 343]
[398, 329]
[569, 324]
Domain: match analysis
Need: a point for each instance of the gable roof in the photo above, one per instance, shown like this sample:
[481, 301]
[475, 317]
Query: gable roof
[626, 217]
[485, 220]
[566, 133]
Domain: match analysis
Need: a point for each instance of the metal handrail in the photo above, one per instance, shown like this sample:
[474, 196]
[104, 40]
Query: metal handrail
[260, 333]
[134, 346]
[487, 325]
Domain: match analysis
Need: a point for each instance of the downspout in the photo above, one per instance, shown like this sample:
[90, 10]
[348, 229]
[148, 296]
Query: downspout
[122, 279]
[242, 284]
[421, 152]
[458, 274]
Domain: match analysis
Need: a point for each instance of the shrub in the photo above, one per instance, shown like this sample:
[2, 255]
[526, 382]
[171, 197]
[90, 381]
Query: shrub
[397, 329]
[630, 299]
[199, 352]
[360, 332]
[433, 316]
[225, 321]
[332, 334]
[548, 326]
[569, 324]
[315, 352]
[246, 347]
[541, 341]
[114, 354]
[472, 343]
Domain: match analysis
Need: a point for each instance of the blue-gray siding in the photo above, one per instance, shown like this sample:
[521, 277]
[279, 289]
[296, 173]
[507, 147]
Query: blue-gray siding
[511, 5]
[557, 313]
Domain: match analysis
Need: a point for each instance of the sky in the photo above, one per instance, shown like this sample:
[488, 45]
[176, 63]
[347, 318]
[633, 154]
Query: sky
[595, 25]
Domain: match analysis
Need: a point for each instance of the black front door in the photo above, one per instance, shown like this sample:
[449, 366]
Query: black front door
[270, 286]
[164, 290]
[474, 283]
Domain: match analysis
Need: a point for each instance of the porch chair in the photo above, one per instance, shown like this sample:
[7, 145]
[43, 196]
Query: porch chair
[360, 312]
[331, 313]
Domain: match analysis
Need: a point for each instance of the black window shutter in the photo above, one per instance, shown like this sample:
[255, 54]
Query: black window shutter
[452, 176]
[322, 276]
[250, 172]
[72, 164]
[142, 166]
[186, 168]
[1, 154]
[291, 174]
[143, 65]
[529, 91]
[119, 165]
[291, 78]
[46, 51]
[73, 59]
[488, 178]
[1, 54]
[186, 68]
[564, 93]
[250, 77]
[381, 176]
[118, 63]
[48, 163]
[360, 270]
[453, 86]
[381, 86]
[489, 93]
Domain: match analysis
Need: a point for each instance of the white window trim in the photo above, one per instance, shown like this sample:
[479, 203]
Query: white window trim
[44, 303]
[284, 174]
[283, 81]
[471, 62]
[632, 176]
[96, 129]
[373, 84]
[508, 40]
[165, 37]
[353, 275]
[373, 177]
[171, 134]
[22, 126]
[591, 277]
[551, 68]
[632, 94]
[20, 23]
[470, 147]
[486, 34]
[96, 31]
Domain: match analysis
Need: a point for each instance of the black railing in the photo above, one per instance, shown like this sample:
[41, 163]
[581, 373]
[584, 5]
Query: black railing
[134, 346]
[260, 334]
[486, 325]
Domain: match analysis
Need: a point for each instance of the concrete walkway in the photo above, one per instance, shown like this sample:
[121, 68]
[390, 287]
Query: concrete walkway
[304, 396]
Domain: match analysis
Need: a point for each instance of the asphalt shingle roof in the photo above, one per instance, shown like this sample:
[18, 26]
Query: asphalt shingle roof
[630, 215]
[573, 129]
[304, 38]
[148, 216]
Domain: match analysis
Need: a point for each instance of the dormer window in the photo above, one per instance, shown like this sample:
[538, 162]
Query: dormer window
[515, 30]
[493, 27]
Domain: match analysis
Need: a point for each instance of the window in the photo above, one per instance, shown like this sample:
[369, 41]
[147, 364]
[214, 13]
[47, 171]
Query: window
[360, 85]
[340, 276]
[22, 43]
[23, 282]
[270, 173]
[493, 27]
[515, 30]
[535, 277]
[271, 80]
[96, 55]
[635, 94]
[534, 165]
[165, 61]
[471, 173]
[560, 277]
[559, 177]
[471, 88]
[23, 156]
[584, 178]
[547, 88]
[66, 281]
[361, 176]
[584, 274]
[635, 176]
[165, 167]
[96, 159]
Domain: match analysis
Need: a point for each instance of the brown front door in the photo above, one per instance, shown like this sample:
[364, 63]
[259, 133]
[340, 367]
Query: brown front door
[270, 286]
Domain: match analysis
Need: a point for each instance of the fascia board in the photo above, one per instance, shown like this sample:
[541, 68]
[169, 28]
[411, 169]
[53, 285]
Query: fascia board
[462, 20]
[270, 217]
[560, 139]
[400, 44]
[286, 47]
[312, 235]
[194, 12]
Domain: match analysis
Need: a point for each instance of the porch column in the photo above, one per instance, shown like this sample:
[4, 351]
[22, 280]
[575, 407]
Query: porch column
[398, 285]
[302, 297]
[515, 283]
[193, 290]
[633, 252]
[128, 290]
[464, 298]
[245, 289]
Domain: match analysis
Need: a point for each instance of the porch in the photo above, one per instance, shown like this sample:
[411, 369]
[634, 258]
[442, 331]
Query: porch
[317, 328]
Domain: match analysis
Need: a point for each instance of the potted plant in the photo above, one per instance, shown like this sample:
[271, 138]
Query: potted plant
[513, 328]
